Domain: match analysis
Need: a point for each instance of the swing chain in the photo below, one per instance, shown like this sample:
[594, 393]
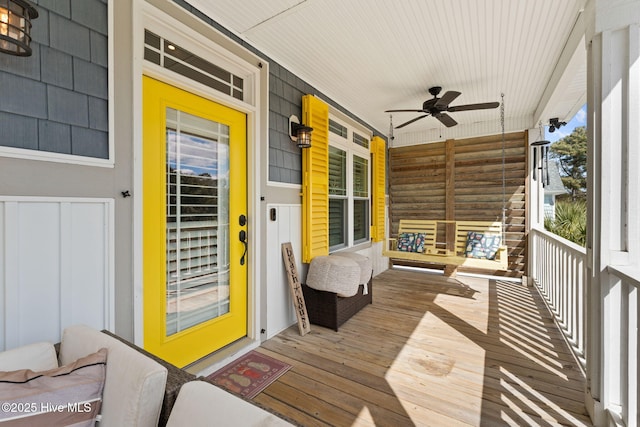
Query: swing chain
[504, 193]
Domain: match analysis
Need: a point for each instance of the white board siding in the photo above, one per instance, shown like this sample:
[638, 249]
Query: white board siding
[56, 267]
[287, 227]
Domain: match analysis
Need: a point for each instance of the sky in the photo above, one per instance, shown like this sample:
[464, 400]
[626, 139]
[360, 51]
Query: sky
[580, 119]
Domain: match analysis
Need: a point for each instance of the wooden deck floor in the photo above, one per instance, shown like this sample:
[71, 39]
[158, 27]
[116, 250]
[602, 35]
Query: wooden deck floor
[432, 351]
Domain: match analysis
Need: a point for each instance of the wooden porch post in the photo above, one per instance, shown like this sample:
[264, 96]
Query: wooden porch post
[613, 99]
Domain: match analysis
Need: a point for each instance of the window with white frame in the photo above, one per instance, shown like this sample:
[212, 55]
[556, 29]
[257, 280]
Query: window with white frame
[349, 186]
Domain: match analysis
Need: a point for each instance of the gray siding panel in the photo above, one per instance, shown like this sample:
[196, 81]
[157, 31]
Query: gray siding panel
[22, 96]
[56, 68]
[68, 107]
[89, 142]
[98, 114]
[61, 7]
[69, 37]
[99, 49]
[40, 28]
[285, 158]
[90, 78]
[54, 137]
[21, 67]
[90, 13]
[18, 131]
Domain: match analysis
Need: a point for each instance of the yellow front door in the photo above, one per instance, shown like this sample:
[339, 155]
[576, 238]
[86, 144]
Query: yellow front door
[194, 224]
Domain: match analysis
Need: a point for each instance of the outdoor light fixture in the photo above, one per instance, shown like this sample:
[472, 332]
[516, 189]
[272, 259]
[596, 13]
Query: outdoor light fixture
[15, 26]
[555, 123]
[298, 133]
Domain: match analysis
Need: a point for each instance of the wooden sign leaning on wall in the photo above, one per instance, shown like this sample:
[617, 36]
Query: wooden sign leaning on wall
[296, 289]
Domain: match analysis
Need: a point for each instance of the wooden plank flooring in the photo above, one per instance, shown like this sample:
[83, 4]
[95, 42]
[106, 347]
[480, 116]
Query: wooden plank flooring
[432, 351]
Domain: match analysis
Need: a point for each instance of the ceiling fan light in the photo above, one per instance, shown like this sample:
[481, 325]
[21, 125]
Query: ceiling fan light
[438, 107]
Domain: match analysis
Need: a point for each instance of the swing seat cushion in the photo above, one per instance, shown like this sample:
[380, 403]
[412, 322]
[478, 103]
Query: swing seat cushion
[482, 246]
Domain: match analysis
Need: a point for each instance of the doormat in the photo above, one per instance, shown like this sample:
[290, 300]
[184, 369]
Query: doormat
[250, 374]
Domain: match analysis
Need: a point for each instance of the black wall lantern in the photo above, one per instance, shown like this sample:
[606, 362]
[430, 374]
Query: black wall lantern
[15, 26]
[298, 133]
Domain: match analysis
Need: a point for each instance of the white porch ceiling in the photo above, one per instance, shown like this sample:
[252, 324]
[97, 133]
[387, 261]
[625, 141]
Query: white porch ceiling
[374, 55]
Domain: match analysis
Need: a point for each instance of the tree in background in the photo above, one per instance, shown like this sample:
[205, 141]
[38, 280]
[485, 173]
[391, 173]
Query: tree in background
[571, 151]
[570, 221]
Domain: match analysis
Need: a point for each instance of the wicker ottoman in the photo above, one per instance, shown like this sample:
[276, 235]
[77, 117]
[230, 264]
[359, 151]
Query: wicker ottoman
[335, 290]
[329, 310]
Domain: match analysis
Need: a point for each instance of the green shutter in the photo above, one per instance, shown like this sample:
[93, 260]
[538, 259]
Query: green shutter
[378, 151]
[315, 180]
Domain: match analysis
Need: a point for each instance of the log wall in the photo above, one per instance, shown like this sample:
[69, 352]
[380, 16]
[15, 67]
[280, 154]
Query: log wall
[463, 180]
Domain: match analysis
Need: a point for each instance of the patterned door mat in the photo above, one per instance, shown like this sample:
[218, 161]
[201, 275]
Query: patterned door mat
[250, 374]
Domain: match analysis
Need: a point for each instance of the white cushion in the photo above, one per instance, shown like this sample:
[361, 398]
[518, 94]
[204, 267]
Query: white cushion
[201, 404]
[135, 384]
[335, 274]
[365, 264]
[39, 356]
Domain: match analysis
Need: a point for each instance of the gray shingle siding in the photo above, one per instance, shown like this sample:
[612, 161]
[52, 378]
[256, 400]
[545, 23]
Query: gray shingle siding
[57, 99]
[90, 13]
[285, 158]
[56, 68]
[18, 131]
[22, 95]
[61, 7]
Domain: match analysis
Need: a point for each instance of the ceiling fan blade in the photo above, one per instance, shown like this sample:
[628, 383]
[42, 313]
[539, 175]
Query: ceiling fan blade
[446, 99]
[446, 119]
[411, 121]
[467, 107]
[401, 111]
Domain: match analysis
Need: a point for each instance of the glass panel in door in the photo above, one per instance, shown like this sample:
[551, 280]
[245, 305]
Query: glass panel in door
[197, 180]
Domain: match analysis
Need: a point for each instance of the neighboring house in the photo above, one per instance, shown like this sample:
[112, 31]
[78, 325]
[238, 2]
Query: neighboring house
[554, 188]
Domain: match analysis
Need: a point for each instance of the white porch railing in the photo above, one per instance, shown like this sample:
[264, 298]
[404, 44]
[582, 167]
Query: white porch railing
[558, 268]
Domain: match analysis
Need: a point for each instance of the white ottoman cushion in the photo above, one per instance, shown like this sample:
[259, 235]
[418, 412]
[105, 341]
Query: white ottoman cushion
[365, 264]
[335, 274]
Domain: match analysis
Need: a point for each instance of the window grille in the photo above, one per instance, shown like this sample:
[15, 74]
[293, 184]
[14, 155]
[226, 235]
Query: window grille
[169, 55]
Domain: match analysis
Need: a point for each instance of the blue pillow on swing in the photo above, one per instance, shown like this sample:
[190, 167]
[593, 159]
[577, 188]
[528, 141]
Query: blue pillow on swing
[482, 246]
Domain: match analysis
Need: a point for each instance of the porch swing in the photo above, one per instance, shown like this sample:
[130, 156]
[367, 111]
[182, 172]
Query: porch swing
[473, 244]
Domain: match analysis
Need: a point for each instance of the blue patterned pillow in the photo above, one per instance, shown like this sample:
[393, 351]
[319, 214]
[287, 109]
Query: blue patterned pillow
[481, 246]
[411, 242]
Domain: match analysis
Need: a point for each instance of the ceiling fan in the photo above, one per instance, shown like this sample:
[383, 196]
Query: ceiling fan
[439, 107]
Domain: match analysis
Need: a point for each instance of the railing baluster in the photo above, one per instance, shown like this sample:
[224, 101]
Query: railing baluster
[559, 273]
